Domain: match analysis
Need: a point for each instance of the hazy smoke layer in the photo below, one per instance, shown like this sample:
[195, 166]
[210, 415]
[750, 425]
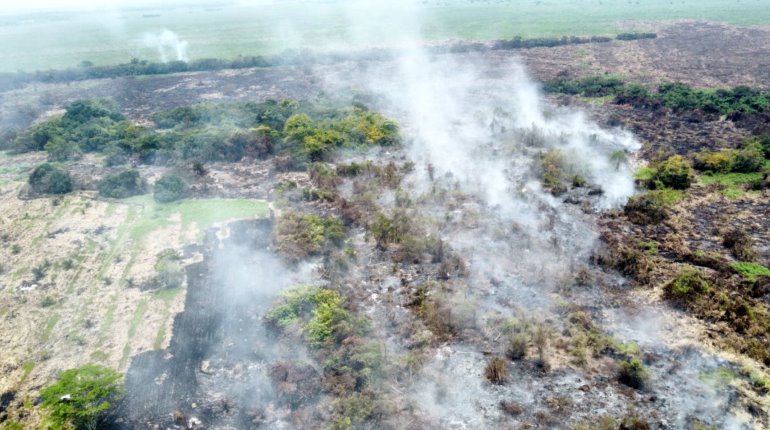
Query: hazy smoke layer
[168, 44]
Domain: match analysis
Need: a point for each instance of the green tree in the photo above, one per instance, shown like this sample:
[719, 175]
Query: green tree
[121, 185]
[750, 158]
[169, 188]
[48, 178]
[60, 149]
[82, 396]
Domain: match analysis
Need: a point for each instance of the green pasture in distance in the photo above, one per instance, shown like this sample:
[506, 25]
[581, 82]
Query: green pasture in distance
[61, 40]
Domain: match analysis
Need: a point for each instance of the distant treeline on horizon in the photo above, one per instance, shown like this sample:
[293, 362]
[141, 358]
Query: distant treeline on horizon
[137, 67]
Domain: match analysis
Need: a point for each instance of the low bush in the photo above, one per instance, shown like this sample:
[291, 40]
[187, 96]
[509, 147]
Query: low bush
[169, 188]
[60, 149]
[121, 185]
[496, 371]
[319, 312]
[50, 179]
[517, 346]
[675, 172]
[715, 161]
[298, 236]
[750, 158]
[81, 397]
[740, 244]
[633, 373]
[688, 284]
[650, 207]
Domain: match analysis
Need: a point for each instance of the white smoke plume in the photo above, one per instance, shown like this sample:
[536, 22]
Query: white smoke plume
[168, 44]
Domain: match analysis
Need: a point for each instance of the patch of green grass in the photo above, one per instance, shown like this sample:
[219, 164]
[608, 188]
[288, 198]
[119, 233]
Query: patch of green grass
[26, 369]
[645, 173]
[141, 308]
[235, 30]
[650, 247]
[732, 184]
[203, 212]
[750, 271]
[49, 326]
[166, 294]
[667, 196]
[627, 348]
[719, 377]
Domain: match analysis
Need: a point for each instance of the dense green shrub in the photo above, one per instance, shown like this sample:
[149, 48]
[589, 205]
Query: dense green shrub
[82, 396]
[676, 96]
[593, 86]
[60, 149]
[764, 142]
[750, 158]
[37, 136]
[688, 284]
[50, 179]
[121, 185]
[298, 236]
[320, 312]
[650, 207]
[675, 172]
[83, 111]
[715, 161]
[169, 188]
[633, 373]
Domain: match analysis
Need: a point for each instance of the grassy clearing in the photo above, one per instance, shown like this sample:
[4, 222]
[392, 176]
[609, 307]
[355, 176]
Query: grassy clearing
[204, 213]
[66, 39]
[732, 184]
[750, 271]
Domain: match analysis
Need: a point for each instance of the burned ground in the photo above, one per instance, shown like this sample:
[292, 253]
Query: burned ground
[407, 270]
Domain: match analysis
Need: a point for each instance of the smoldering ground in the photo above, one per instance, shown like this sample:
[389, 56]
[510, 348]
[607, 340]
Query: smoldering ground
[477, 132]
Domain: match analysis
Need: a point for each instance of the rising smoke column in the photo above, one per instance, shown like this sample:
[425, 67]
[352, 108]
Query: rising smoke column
[167, 43]
[481, 122]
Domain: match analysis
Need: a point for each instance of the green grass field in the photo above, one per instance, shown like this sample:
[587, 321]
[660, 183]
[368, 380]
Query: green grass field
[36, 42]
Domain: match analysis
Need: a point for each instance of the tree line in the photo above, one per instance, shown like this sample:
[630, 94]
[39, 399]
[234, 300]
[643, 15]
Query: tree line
[87, 70]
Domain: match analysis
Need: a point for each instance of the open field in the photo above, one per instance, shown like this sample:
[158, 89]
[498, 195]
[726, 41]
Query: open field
[69, 264]
[37, 42]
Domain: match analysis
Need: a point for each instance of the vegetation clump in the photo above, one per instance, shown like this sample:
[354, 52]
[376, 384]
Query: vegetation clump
[740, 244]
[82, 396]
[677, 96]
[298, 236]
[633, 373]
[319, 312]
[675, 172]
[751, 271]
[650, 207]
[496, 371]
[688, 284]
[169, 188]
[49, 178]
[121, 185]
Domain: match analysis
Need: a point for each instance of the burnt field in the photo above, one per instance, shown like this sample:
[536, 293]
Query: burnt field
[483, 257]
